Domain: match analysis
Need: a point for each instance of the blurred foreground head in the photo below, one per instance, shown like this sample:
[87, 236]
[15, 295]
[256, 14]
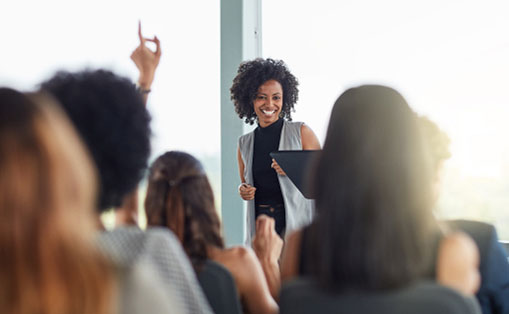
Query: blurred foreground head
[373, 193]
[112, 120]
[47, 197]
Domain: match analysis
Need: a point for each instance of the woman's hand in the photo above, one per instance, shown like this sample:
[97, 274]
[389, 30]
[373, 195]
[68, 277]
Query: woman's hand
[266, 243]
[458, 263]
[276, 167]
[146, 60]
[247, 192]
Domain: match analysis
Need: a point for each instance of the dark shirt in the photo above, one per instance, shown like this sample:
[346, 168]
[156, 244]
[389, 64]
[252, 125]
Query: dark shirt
[266, 140]
[493, 295]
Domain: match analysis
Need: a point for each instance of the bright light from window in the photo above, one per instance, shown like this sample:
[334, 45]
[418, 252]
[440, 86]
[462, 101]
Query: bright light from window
[448, 58]
[40, 37]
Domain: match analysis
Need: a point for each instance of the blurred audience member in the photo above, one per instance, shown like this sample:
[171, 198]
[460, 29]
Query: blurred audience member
[49, 263]
[375, 229]
[493, 294]
[179, 197]
[109, 113]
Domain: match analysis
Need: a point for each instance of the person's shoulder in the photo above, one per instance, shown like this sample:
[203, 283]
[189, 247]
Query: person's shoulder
[473, 226]
[244, 137]
[239, 253]
[238, 258]
[140, 290]
[296, 124]
[161, 234]
[484, 234]
[162, 240]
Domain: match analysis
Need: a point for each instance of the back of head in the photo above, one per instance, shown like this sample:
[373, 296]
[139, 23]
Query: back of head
[47, 192]
[180, 197]
[111, 118]
[373, 193]
[437, 141]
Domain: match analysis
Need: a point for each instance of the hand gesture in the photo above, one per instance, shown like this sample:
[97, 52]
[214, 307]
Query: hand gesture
[267, 244]
[146, 60]
[276, 167]
[247, 192]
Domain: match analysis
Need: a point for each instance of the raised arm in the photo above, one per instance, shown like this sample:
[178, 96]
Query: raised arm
[146, 61]
[268, 245]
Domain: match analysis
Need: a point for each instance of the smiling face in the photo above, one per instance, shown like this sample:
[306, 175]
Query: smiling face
[268, 102]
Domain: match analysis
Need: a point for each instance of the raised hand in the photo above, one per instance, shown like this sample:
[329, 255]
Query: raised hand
[267, 244]
[146, 60]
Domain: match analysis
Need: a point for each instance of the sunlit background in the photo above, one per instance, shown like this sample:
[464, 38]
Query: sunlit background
[450, 59]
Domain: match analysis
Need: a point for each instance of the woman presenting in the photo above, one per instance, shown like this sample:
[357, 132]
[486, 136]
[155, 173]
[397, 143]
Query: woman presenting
[264, 91]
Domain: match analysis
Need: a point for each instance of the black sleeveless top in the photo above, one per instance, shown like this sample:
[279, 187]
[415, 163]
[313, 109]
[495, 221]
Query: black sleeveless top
[266, 140]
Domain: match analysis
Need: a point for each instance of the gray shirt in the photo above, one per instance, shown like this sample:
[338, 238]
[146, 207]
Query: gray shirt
[159, 248]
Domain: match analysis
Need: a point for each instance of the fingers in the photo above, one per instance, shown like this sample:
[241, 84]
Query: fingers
[264, 224]
[277, 168]
[142, 40]
[158, 46]
[247, 192]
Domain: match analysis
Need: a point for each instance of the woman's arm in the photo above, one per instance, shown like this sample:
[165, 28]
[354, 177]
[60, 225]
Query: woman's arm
[250, 280]
[268, 245]
[290, 260]
[308, 138]
[146, 61]
[246, 191]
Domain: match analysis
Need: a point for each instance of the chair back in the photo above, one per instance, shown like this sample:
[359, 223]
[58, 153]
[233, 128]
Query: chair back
[426, 297]
[219, 288]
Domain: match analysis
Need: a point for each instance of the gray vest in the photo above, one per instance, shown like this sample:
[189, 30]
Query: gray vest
[299, 210]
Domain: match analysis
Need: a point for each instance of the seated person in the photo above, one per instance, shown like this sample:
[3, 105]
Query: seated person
[493, 294]
[50, 263]
[110, 116]
[374, 228]
[180, 198]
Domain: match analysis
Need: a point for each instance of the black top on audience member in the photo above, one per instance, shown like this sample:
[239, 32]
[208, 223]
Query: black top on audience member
[111, 117]
[251, 75]
[373, 195]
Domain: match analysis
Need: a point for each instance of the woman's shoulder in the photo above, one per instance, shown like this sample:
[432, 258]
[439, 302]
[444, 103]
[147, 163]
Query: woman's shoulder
[237, 254]
[238, 260]
[244, 139]
[294, 124]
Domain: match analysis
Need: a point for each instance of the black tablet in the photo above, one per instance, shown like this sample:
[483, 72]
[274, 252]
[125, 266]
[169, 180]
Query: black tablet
[296, 164]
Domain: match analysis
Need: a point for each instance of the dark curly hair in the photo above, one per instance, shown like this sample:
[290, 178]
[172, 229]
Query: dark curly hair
[111, 118]
[179, 197]
[252, 74]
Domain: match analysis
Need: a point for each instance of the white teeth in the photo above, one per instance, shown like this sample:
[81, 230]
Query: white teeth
[269, 112]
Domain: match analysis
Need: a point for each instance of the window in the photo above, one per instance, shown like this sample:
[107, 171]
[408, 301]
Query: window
[40, 37]
[449, 60]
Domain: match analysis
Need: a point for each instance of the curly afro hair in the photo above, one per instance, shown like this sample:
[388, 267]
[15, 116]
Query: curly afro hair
[112, 120]
[251, 75]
